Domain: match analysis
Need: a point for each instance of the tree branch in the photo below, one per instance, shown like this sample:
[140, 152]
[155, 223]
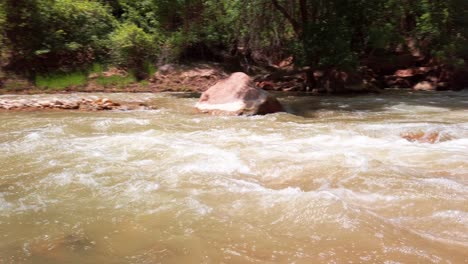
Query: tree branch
[304, 13]
[297, 28]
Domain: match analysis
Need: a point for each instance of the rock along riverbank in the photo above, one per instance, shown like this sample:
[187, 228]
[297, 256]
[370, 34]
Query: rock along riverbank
[82, 104]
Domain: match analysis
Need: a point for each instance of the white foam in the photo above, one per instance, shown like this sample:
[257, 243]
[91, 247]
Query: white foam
[243, 186]
[350, 195]
[294, 171]
[60, 179]
[107, 123]
[404, 107]
[33, 136]
[228, 107]
[4, 205]
[447, 183]
[137, 187]
[197, 206]
[67, 178]
[208, 159]
[454, 215]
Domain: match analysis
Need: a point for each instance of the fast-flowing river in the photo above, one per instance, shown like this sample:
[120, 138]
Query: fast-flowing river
[332, 183]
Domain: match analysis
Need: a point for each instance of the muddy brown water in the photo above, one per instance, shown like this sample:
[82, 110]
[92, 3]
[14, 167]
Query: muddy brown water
[332, 183]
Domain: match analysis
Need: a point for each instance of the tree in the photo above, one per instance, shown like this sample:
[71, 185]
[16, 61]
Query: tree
[2, 24]
[44, 35]
[65, 35]
[2, 27]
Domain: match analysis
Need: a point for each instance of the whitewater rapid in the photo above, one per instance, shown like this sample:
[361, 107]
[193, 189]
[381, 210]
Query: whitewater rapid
[332, 181]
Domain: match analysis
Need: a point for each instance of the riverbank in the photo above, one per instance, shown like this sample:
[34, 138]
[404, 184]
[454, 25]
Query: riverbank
[198, 77]
[168, 78]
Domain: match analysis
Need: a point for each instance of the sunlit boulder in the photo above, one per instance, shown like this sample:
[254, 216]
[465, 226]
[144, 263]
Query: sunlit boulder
[237, 95]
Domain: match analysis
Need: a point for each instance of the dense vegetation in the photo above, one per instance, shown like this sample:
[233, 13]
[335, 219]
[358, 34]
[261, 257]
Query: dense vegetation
[45, 36]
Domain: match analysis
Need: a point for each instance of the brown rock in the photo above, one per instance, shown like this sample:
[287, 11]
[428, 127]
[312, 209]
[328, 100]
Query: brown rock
[405, 73]
[237, 95]
[425, 86]
[397, 82]
[71, 104]
[266, 85]
[93, 76]
[166, 69]
[197, 77]
[286, 62]
[421, 137]
[336, 81]
[389, 64]
[203, 73]
[114, 72]
[105, 104]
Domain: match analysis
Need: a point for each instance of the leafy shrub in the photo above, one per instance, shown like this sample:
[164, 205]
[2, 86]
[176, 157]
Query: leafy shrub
[60, 81]
[133, 48]
[60, 35]
[116, 81]
[97, 68]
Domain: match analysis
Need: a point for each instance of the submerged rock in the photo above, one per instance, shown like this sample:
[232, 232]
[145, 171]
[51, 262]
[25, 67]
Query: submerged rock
[433, 78]
[237, 95]
[58, 249]
[422, 137]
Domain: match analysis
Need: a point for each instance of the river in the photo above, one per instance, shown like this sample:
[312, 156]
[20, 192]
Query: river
[332, 181]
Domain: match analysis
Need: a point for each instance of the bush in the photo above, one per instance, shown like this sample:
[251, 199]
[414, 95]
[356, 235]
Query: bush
[116, 81]
[133, 48]
[60, 35]
[60, 81]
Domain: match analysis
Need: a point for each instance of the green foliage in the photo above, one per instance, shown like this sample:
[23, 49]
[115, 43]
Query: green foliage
[143, 13]
[116, 81]
[60, 35]
[97, 68]
[150, 69]
[445, 24]
[380, 36]
[43, 36]
[60, 81]
[337, 32]
[132, 47]
[2, 24]
[327, 44]
[177, 42]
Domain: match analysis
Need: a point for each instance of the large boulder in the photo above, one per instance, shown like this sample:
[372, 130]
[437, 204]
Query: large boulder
[237, 95]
